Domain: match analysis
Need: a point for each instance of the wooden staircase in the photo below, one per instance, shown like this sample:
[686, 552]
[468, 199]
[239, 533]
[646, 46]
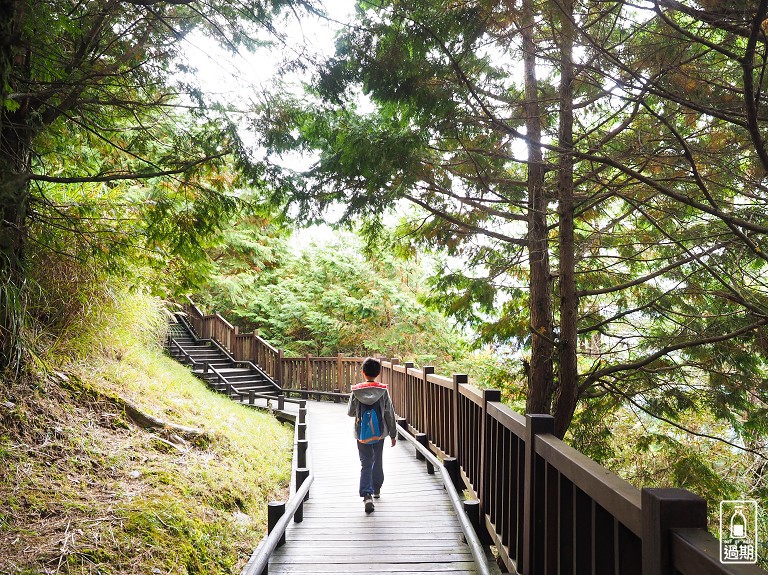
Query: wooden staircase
[243, 381]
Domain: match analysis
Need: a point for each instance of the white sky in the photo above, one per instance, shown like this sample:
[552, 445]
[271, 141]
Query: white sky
[239, 78]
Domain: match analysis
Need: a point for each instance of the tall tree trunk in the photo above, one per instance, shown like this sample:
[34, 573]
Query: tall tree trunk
[15, 143]
[14, 206]
[566, 394]
[540, 377]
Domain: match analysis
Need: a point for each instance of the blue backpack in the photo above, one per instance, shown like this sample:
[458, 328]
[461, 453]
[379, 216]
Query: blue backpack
[369, 420]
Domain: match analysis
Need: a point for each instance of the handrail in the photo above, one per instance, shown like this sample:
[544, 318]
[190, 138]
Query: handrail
[312, 392]
[268, 396]
[207, 366]
[614, 494]
[221, 348]
[183, 352]
[249, 363]
[263, 341]
[193, 306]
[475, 547]
[183, 320]
[260, 371]
[687, 545]
[475, 428]
[259, 561]
[223, 320]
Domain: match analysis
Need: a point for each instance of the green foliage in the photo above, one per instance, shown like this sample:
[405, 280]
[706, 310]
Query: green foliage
[86, 490]
[664, 177]
[666, 225]
[109, 150]
[650, 453]
[327, 299]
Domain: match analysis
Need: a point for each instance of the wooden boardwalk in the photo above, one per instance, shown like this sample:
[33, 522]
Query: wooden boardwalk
[413, 530]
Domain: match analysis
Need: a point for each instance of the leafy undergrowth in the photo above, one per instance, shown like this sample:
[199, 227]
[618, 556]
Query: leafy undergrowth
[84, 489]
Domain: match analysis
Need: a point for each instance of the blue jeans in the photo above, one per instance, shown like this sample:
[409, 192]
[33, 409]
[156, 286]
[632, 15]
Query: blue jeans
[371, 469]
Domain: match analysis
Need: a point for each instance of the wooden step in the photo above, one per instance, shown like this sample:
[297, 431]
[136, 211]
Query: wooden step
[244, 387]
[204, 352]
[253, 376]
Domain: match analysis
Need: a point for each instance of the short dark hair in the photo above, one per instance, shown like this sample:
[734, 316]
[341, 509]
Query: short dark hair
[371, 367]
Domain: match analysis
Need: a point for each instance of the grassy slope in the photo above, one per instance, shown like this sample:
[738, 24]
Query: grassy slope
[85, 490]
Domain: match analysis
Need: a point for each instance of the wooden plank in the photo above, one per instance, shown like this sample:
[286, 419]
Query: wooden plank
[413, 530]
[356, 556]
[386, 534]
[406, 545]
[412, 569]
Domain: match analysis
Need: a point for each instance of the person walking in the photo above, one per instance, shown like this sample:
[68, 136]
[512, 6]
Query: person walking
[371, 406]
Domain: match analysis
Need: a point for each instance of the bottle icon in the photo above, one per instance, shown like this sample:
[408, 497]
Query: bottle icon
[738, 524]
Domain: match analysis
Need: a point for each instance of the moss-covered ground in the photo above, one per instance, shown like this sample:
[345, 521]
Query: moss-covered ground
[84, 489]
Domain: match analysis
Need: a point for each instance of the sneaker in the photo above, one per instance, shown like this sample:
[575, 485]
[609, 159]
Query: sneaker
[368, 504]
[376, 494]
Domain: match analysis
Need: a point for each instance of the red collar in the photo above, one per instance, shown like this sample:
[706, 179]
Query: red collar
[369, 384]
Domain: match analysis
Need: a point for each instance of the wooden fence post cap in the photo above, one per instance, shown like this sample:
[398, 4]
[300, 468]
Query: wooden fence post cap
[669, 494]
[540, 422]
[673, 507]
[664, 509]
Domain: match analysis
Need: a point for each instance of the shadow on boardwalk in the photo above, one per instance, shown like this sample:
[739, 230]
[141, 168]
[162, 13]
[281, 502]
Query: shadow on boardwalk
[413, 530]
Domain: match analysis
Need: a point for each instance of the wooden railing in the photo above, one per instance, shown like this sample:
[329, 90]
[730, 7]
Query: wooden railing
[280, 513]
[317, 374]
[547, 508]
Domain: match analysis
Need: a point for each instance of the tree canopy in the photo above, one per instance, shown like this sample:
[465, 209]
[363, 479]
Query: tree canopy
[106, 142]
[598, 168]
[325, 298]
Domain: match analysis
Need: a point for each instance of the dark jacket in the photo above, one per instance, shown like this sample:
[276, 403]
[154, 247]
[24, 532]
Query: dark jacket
[369, 392]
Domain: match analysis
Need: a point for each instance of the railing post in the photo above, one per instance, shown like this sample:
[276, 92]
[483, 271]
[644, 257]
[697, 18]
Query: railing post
[339, 373]
[488, 395]
[421, 437]
[425, 427]
[472, 509]
[408, 392]
[251, 397]
[301, 431]
[306, 374]
[458, 379]
[483, 475]
[255, 351]
[533, 508]
[665, 509]
[302, 414]
[280, 402]
[275, 510]
[424, 440]
[451, 464]
[301, 458]
[301, 475]
[402, 422]
[279, 368]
